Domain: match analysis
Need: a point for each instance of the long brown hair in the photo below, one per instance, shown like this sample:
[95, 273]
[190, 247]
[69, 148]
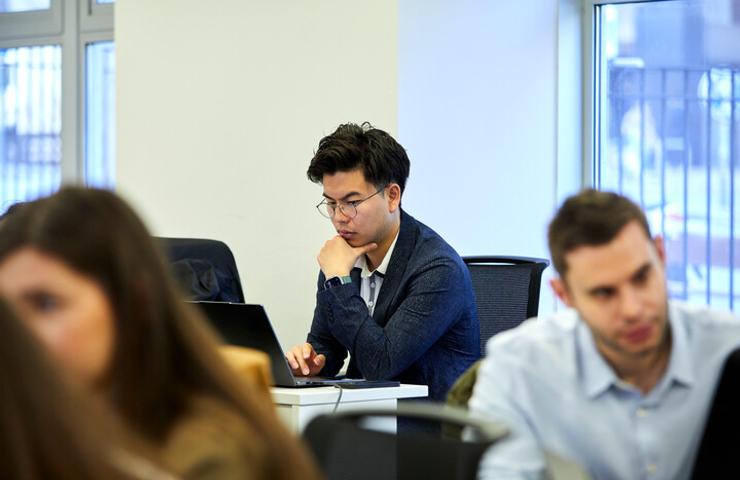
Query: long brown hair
[46, 431]
[164, 352]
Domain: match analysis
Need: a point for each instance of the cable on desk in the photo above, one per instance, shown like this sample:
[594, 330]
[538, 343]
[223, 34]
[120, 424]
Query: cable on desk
[339, 398]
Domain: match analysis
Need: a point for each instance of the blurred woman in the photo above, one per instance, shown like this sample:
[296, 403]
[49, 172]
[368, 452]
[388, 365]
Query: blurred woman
[46, 431]
[83, 271]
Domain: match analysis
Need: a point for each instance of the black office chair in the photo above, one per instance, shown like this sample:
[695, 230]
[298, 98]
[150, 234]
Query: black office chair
[205, 269]
[347, 450]
[507, 291]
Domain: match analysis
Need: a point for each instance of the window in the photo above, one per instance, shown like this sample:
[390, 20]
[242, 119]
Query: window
[666, 96]
[30, 121]
[56, 96]
[7, 6]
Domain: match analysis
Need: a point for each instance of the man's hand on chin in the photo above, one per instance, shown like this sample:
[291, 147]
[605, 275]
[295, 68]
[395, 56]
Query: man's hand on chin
[337, 257]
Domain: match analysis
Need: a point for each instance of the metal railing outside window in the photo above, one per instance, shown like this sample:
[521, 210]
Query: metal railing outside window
[666, 131]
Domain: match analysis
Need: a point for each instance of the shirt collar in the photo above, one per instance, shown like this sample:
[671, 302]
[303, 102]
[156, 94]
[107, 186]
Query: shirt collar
[361, 262]
[598, 376]
[680, 366]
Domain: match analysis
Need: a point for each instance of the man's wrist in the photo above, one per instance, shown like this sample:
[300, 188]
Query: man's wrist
[336, 281]
[336, 272]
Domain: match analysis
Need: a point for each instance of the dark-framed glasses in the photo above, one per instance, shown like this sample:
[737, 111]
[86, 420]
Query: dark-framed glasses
[328, 208]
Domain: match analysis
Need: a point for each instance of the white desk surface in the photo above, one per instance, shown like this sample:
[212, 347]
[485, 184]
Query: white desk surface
[322, 395]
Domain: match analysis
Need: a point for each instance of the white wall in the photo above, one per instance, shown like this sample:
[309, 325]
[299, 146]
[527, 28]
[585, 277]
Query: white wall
[477, 112]
[220, 106]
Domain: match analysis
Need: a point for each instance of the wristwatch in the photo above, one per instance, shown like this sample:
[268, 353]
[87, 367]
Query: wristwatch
[337, 281]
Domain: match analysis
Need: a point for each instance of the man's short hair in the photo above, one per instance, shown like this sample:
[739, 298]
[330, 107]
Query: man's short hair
[351, 147]
[590, 218]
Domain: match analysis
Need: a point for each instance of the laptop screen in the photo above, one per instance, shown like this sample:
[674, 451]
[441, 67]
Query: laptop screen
[247, 325]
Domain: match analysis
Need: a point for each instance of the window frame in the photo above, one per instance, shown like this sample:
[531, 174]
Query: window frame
[31, 24]
[592, 91]
[96, 17]
[71, 24]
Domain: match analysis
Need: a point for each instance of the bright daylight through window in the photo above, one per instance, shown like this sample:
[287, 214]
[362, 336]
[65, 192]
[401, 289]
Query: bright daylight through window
[51, 133]
[667, 91]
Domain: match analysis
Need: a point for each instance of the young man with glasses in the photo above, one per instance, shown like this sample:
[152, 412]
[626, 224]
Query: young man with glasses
[391, 292]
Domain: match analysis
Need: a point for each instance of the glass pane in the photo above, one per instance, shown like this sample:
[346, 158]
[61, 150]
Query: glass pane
[105, 1]
[30, 123]
[668, 103]
[7, 6]
[100, 101]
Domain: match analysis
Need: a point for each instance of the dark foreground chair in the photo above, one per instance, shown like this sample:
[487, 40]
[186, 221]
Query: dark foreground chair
[204, 268]
[718, 450]
[507, 291]
[348, 450]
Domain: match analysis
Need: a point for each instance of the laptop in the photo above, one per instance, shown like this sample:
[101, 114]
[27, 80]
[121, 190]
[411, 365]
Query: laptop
[247, 325]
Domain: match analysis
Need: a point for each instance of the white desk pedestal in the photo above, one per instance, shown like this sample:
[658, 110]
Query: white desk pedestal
[297, 406]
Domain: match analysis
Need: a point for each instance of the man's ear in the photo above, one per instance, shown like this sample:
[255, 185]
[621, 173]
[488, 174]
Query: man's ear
[393, 194]
[561, 290]
[660, 248]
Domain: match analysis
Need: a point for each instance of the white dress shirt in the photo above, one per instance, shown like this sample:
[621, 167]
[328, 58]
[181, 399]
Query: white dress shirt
[372, 281]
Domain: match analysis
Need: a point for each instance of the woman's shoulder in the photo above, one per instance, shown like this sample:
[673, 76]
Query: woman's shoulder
[212, 440]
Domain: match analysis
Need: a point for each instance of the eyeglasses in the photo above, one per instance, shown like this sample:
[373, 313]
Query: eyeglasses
[349, 209]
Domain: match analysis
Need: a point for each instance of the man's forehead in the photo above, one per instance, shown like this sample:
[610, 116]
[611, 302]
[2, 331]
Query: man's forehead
[612, 262]
[341, 184]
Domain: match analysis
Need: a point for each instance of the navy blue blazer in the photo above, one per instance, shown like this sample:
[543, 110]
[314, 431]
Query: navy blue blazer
[424, 329]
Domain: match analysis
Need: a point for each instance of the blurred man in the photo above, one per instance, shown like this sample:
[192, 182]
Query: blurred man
[620, 382]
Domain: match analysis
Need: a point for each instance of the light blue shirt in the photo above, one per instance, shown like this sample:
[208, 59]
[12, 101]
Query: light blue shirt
[547, 382]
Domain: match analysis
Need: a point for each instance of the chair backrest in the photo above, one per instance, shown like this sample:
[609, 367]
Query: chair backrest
[347, 449]
[205, 268]
[507, 291]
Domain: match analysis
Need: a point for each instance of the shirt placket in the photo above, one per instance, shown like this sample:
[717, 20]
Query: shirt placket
[373, 295]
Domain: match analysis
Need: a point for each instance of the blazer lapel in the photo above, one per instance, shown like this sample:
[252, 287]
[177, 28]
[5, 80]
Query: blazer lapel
[356, 274]
[396, 268]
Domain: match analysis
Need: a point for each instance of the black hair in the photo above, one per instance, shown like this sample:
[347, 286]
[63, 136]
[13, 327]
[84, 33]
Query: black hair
[382, 159]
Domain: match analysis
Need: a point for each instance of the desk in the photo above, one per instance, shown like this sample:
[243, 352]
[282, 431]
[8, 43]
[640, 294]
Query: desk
[297, 406]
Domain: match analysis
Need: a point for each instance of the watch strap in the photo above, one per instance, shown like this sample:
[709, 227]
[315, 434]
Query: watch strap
[337, 281]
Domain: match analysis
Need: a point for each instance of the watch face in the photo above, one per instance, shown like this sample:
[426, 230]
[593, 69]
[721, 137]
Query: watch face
[333, 282]
[337, 281]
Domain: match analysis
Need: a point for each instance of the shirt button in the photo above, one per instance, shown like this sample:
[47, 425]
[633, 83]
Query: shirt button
[651, 468]
[370, 303]
[641, 412]
[372, 284]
